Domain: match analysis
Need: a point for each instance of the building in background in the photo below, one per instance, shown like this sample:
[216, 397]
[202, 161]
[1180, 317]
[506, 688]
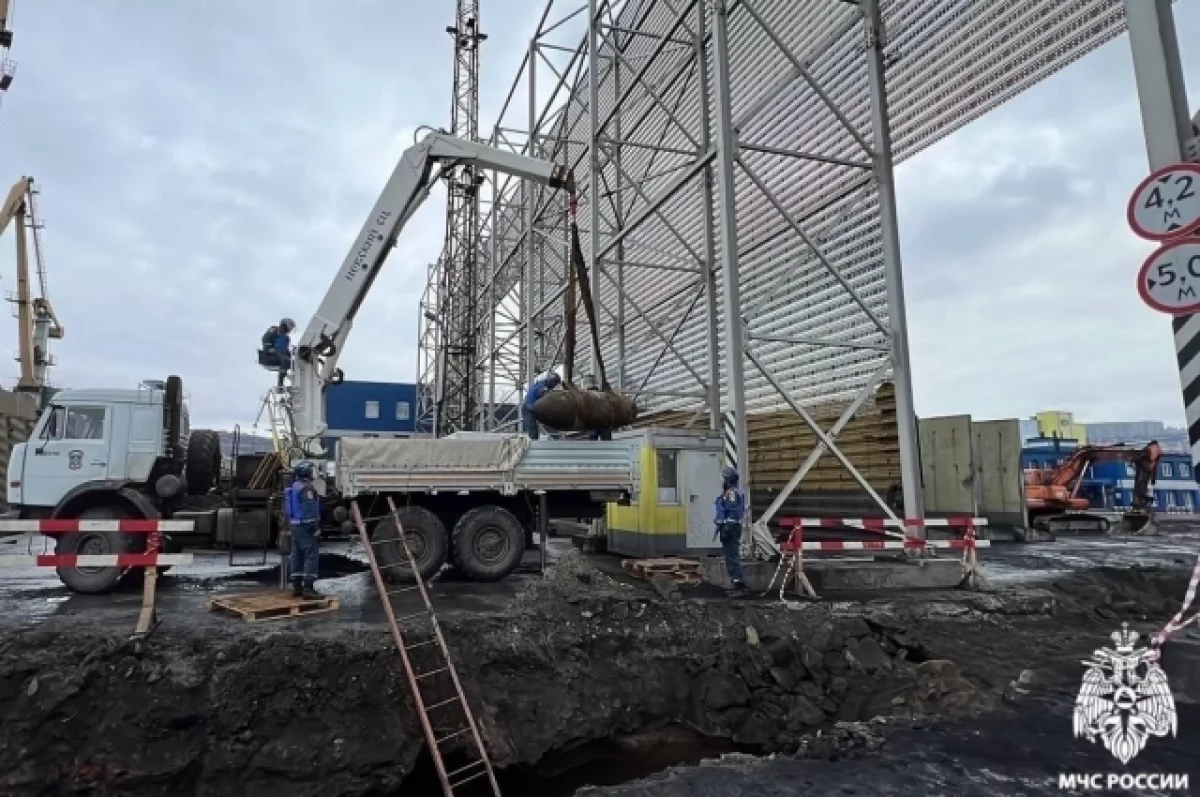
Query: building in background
[1060, 424]
[1138, 433]
[1050, 424]
[1109, 485]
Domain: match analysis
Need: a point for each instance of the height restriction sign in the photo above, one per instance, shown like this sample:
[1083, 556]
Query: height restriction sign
[1169, 280]
[1166, 204]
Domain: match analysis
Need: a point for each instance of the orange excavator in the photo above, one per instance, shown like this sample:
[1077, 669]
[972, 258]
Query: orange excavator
[1052, 495]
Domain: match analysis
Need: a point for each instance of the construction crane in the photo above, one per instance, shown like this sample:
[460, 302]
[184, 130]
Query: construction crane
[37, 324]
[8, 67]
[324, 338]
[1053, 500]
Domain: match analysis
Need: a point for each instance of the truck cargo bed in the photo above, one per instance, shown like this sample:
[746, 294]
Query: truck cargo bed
[505, 463]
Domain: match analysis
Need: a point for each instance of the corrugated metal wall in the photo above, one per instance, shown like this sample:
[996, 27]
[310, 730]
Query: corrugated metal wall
[950, 61]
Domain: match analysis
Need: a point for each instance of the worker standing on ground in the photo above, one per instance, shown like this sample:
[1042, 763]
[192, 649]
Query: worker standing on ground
[302, 507]
[730, 515]
[540, 387]
[276, 351]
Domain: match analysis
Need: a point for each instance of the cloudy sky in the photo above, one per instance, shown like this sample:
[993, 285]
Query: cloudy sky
[204, 170]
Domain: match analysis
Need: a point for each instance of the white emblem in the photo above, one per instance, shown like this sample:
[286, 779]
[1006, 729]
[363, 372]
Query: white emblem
[1125, 698]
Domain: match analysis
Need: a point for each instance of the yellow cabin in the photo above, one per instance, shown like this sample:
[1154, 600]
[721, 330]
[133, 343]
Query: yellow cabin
[671, 513]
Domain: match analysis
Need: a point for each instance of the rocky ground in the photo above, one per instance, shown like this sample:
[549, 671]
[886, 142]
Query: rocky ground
[585, 679]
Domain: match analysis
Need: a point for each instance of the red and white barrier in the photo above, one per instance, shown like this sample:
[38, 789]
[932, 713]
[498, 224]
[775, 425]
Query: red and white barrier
[882, 525]
[792, 548]
[50, 528]
[151, 559]
[908, 543]
[1179, 621]
[97, 560]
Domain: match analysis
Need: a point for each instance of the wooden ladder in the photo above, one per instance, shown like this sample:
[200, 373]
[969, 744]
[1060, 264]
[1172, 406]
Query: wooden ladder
[466, 726]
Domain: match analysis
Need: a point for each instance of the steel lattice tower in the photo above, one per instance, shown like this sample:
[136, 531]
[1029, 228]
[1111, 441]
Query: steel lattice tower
[454, 279]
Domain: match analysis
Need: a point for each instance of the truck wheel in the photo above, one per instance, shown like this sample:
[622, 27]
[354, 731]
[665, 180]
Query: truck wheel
[426, 538]
[203, 461]
[93, 580]
[488, 543]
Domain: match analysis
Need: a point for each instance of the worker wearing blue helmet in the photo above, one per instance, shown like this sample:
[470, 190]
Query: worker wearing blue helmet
[730, 514]
[302, 507]
[540, 387]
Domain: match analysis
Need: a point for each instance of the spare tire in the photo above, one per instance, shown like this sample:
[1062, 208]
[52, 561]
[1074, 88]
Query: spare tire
[488, 543]
[203, 461]
[426, 537]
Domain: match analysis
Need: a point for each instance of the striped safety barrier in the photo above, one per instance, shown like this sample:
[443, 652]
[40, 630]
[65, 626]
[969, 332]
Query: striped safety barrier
[150, 559]
[884, 545]
[882, 525]
[50, 528]
[96, 560]
[791, 562]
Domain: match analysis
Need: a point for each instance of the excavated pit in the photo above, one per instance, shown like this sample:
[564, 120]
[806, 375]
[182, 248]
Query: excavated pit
[583, 680]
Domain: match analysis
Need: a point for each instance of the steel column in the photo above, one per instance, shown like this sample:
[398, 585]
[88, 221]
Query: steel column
[593, 169]
[906, 415]
[529, 291]
[726, 155]
[710, 255]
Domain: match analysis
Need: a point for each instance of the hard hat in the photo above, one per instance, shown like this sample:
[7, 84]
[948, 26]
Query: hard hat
[303, 470]
[729, 476]
[288, 323]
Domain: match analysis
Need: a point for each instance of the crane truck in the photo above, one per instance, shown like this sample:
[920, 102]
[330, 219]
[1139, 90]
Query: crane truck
[470, 499]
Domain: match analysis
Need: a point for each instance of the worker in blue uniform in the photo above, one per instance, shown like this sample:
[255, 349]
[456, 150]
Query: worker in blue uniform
[540, 387]
[276, 351]
[730, 515]
[302, 507]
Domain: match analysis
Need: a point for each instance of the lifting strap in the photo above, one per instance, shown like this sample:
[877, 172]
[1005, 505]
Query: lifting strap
[577, 270]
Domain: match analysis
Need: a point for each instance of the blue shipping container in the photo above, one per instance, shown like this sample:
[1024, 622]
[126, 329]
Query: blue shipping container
[385, 409]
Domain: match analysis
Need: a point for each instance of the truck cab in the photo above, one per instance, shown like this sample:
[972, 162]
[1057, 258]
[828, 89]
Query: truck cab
[89, 437]
[114, 455]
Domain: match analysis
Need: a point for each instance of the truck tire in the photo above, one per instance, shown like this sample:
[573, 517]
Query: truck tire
[426, 537]
[203, 461]
[93, 580]
[488, 543]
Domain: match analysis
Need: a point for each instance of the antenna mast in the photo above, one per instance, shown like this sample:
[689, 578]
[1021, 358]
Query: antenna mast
[449, 337]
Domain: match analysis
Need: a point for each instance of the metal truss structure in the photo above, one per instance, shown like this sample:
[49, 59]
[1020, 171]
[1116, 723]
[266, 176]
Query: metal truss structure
[734, 160]
[448, 323]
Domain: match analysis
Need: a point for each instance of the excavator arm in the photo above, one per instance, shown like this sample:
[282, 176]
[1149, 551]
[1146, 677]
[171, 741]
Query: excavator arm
[1070, 471]
[325, 336]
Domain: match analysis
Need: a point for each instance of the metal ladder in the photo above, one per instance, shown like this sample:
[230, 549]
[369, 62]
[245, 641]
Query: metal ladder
[481, 766]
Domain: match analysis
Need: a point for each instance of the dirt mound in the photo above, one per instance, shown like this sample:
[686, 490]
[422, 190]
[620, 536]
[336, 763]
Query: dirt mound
[581, 668]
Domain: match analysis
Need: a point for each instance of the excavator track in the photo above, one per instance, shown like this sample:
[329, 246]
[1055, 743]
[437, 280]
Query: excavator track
[1139, 523]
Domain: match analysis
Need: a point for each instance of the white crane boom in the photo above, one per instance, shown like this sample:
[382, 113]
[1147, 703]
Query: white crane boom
[325, 336]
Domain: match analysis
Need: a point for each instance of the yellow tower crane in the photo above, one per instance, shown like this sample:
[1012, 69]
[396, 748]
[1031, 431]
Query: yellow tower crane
[36, 322]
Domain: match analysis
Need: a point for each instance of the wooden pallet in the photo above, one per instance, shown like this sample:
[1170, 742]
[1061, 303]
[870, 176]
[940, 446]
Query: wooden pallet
[254, 607]
[683, 571]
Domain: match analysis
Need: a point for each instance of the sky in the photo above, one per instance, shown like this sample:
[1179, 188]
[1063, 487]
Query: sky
[204, 167]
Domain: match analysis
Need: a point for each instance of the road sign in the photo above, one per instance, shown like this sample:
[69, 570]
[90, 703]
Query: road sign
[1169, 280]
[1166, 205]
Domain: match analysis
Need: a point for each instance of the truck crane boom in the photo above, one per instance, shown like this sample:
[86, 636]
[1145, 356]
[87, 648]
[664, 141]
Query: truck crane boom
[325, 336]
[36, 322]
